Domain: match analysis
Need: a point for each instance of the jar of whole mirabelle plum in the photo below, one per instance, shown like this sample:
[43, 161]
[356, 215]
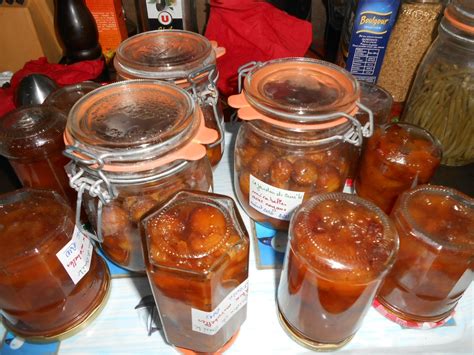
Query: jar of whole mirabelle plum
[197, 264]
[299, 138]
[52, 282]
[181, 57]
[133, 145]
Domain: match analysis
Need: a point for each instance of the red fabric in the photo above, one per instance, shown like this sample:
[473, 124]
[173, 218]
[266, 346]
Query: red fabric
[60, 73]
[252, 30]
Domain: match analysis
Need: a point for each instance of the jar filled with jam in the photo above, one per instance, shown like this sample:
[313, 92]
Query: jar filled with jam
[399, 156]
[184, 58]
[435, 263]
[134, 144]
[299, 138]
[64, 98]
[31, 138]
[51, 279]
[198, 251]
[340, 248]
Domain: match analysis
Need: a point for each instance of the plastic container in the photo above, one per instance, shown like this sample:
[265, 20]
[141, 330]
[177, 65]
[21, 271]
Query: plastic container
[299, 138]
[64, 98]
[198, 250]
[185, 58]
[441, 96]
[340, 248]
[399, 156]
[52, 283]
[434, 264]
[31, 138]
[133, 145]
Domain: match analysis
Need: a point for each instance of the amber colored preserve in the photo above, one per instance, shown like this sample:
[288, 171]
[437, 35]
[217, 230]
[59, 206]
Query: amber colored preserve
[340, 249]
[198, 268]
[435, 263]
[399, 156]
[38, 298]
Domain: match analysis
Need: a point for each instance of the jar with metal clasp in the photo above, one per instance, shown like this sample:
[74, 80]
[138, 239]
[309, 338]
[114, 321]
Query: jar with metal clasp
[299, 137]
[184, 58]
[133, 145]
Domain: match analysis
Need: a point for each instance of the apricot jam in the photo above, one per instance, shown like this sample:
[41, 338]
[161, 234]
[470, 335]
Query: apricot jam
[198, 252]
[40, 297]
[340, 248]
[435, 263]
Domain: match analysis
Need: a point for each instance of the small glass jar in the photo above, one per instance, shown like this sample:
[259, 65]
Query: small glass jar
[198, 253]
[440, 99]
[435, 262]
[31, 138]
[184, 58]
[340, 248]
[299, 138]
[134, 144]
[397, 157]
[51, 279]
[378, 100]
[64, 98]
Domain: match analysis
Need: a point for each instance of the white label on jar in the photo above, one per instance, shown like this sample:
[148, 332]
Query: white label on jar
[211, 322]
[273, 201]
[76, 256]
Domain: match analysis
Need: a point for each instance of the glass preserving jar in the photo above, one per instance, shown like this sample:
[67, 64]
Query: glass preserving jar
[51, 279]
[134, 144]
[440, 99]
[435, 262]
[299, 138]
[31, 138]
[64, 98]
[197, 264]
[339, 250]
[184, 58]
[399, 156]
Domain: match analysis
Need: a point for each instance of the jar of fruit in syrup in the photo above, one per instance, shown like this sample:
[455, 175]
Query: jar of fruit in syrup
[51, 279]
[32, 140]
[184, 58]
[134, 144]
[435, 263]
[340, 248]
[197, 264]
[299, 138]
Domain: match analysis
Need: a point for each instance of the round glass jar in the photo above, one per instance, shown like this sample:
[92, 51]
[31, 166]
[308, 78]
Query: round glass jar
[340, 248]
[42, 296]
[435, 262]
[134, 144]
[299, 138]
[399, 156]
[31, 138]
[197, 264]
[184, 58]
[64, 98]
[440, 98]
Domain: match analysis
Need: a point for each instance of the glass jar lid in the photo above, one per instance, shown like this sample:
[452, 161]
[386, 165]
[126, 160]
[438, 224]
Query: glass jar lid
[344, 237]
[129, 124]
[64, 98]
[301, 87]
[29, 219]
[193, 231]
[163, 54]
[440, 216]
[31, 128]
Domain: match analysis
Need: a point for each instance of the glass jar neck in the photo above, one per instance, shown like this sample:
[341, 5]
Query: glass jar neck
[449, 32]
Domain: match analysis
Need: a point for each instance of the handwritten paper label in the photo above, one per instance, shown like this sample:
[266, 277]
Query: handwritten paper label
[211, 322]
[273, 201]
[76, 256]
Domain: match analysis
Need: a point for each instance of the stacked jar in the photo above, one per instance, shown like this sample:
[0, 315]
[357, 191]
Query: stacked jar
[134, 144]
[184, 58]
[299, 138]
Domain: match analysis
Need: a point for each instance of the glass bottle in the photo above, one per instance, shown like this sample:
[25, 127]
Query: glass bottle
[133, 145]
[441, 97]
